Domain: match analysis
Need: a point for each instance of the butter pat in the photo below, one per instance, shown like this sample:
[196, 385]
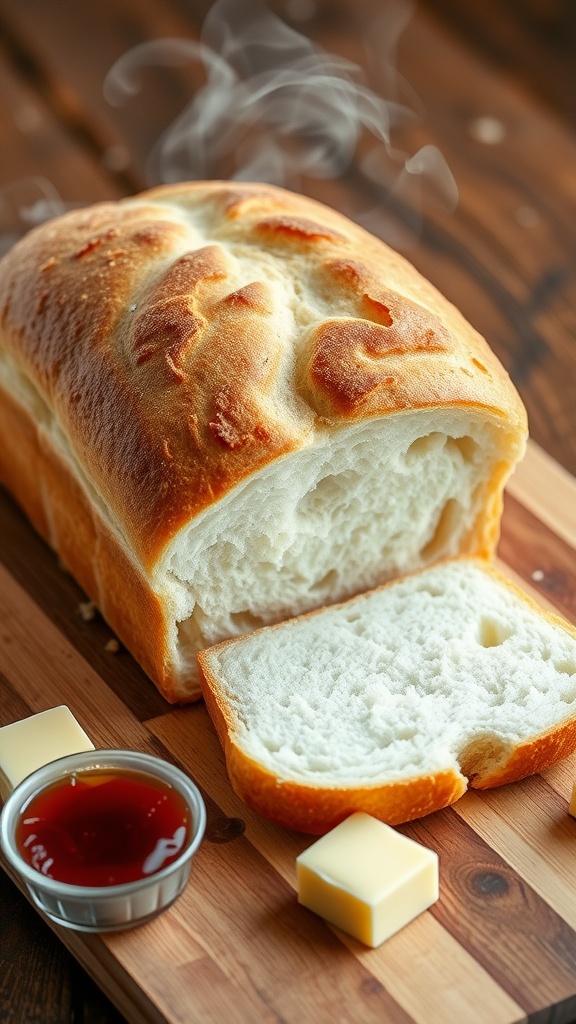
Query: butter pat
[367, 879]
[35, 741]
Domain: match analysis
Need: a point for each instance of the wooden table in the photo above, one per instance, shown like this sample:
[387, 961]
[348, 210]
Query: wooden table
[493, 85]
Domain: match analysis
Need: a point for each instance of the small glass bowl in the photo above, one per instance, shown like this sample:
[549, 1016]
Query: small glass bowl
[112, 907]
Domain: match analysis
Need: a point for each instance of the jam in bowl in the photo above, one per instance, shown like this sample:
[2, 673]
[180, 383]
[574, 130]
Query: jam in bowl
[104, 840]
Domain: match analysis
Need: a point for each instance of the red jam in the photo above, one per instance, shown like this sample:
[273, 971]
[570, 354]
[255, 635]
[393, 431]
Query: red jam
[103, 827]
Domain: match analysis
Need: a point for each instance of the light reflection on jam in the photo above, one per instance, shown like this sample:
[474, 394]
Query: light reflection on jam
[103, 827]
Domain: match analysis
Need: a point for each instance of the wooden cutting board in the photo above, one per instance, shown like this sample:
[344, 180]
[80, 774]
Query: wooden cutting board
[499, 946]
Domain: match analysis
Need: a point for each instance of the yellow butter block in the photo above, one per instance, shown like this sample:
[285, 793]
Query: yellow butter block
[35, 741]
[367, 878]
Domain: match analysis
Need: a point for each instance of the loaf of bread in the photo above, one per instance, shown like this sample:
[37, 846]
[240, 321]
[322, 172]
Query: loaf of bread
[225, 404]
[396, 701]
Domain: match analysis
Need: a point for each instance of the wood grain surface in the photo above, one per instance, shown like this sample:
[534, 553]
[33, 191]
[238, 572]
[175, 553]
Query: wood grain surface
[499, 946]
[507, 258]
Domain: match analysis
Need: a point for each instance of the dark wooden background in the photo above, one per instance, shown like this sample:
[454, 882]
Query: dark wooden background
[506, 256]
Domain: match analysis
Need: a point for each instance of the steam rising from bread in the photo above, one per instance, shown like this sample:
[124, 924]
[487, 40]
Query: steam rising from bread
[275, 107]
[24, 203]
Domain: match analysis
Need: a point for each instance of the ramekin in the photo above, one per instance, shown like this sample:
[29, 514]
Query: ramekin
[113, 907]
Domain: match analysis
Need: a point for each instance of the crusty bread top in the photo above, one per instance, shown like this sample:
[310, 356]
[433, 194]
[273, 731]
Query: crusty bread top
[189, 336]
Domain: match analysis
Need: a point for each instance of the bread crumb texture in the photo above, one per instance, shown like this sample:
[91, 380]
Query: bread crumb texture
[449, 669]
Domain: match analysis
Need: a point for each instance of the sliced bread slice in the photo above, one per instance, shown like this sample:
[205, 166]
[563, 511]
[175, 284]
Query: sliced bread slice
[396, 701]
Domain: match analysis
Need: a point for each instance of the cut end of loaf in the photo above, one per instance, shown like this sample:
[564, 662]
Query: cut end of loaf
[360, 506]
[395, 701]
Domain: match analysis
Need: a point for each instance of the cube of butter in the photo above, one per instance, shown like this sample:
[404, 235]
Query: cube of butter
[367, 879]
[35, 741]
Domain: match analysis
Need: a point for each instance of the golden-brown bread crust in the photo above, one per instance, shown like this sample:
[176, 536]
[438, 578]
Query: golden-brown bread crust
[167, 377]
[85, 546]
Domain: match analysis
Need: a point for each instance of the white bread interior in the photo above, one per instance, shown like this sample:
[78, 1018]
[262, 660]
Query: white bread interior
[357, 508]
[450, 671]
